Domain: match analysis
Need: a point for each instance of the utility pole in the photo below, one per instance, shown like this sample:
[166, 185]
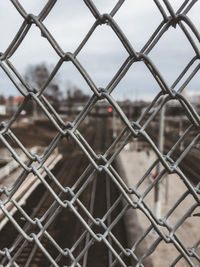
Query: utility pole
[114, 125]
[157, 191]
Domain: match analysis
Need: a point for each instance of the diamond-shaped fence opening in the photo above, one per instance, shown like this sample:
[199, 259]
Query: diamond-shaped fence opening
[102, 39]
[173, 43]
[34, 35]
[74, 29]
[98, 179]
[127, 15]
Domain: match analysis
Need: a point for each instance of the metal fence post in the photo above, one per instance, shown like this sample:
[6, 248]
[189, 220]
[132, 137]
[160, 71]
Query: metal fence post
[157, 188]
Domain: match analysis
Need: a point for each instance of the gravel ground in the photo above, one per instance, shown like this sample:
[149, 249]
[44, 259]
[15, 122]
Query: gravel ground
[134, 164]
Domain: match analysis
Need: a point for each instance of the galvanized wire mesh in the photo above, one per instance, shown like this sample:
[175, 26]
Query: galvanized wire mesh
[102, 163]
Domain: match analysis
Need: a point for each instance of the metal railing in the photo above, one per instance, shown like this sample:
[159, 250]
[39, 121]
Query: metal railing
[103, 163]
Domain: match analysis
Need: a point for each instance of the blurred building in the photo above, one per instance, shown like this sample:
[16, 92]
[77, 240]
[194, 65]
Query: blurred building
[12, 103]
[2, 109]
[194, 97]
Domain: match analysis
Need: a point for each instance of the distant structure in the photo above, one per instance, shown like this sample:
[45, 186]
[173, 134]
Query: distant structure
[2, 105]
[2, 109]
[12, 103]
[194, 97]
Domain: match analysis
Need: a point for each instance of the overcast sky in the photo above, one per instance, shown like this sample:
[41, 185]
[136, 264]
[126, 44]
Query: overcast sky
[70, 20]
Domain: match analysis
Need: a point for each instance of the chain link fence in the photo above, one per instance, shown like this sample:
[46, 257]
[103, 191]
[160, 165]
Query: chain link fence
[69, 197]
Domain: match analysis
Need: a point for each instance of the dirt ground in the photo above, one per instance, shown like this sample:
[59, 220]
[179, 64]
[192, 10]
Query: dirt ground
[135, 164]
